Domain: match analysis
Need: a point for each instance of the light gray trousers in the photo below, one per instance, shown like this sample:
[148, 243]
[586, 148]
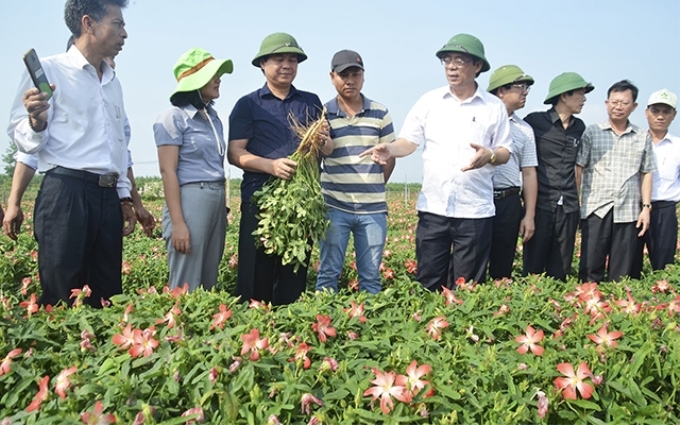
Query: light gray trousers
[205, 214]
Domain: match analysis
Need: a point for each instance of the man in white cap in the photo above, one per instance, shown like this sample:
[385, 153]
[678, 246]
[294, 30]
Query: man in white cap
[662, 237]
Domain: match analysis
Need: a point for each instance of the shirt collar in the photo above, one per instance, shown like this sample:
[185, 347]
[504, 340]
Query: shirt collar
[555, 117]
[81, 62]
[478, 94]
[192, 111]
[332, 106]
[630, 128]
[265, 92]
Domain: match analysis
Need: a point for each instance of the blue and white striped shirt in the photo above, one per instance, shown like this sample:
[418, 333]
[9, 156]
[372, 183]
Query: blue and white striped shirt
[349, 183]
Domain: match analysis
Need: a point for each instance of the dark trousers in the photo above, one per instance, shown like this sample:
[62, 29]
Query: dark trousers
[262, 277]
[601, 237]
[471, 241]
[551, 249]
[661, 238]
[509, 213]
[79, 229]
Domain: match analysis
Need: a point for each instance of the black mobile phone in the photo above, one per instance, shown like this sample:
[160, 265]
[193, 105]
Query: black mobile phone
[37, 73]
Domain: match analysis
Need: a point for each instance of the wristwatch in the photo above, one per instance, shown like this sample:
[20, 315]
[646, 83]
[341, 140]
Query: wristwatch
[492, 160]
[647, 206]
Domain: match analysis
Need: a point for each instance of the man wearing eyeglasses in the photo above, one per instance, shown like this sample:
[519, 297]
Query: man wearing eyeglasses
[464, 132]
[662, 237]
[557, 133]
[616, 164]
[511, 85]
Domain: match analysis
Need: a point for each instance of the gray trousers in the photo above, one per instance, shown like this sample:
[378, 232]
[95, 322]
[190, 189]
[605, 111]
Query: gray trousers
[205, 214]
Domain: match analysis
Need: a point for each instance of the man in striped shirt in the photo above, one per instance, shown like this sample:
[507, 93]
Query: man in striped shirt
[354, 187]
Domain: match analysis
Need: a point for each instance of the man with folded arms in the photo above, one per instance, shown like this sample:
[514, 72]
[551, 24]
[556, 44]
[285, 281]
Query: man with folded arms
[464, 132]
[79, 136]
[511, 85]
[558, 138]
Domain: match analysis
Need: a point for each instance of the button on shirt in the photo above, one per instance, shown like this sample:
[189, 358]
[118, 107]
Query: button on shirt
[523, 155]
[86, 119]
[188, 128]
[349, 183]
[264, 120]
[666, 184]
[611, 170]
[445, 126]
[557, 149]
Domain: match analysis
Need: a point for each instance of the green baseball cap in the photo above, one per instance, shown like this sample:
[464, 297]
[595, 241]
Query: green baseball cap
[279, 42]
[466, 43]
[565, 82]
[508, 74]
[196, 67]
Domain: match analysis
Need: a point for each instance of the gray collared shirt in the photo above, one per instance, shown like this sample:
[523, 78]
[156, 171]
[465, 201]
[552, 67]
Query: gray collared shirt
[612, 165]
[523, 155]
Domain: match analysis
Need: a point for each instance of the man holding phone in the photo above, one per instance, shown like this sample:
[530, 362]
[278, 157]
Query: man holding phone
[79, 138]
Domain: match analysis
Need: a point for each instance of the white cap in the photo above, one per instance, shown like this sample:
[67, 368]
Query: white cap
[664, 96]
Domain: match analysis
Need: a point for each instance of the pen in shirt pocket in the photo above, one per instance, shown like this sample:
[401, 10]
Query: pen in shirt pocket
[117, 112]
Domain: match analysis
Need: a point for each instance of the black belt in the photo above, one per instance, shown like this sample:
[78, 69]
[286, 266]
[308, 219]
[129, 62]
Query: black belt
[102, 180]
[504, 193]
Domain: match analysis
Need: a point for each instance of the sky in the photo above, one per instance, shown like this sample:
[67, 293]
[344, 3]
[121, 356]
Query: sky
[603, 40]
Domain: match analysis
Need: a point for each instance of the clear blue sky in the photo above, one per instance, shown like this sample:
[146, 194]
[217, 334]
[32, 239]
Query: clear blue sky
[603, 40]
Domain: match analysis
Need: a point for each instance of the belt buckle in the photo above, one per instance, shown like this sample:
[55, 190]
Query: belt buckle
[108, 180]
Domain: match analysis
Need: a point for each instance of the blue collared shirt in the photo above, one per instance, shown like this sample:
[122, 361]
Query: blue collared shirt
[263, 119]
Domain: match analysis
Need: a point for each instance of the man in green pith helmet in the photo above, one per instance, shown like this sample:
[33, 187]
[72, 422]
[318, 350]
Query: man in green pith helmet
[465, 133]
[558, 140]
[260, 141]
[511, 85]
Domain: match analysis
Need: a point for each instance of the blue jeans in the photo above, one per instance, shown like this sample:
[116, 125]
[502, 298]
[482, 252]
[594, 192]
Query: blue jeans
[369, 231]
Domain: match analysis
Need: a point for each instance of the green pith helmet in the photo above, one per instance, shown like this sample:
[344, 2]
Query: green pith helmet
[279, 42]
[508, 74]
[565, 82]
[466, 43]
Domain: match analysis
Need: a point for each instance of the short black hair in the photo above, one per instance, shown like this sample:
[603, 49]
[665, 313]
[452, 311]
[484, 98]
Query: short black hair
[623, 85]
[553, 101]
[74, 10]
[186, 98]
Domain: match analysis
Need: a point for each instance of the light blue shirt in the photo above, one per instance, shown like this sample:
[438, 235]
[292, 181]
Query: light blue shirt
[199, 155]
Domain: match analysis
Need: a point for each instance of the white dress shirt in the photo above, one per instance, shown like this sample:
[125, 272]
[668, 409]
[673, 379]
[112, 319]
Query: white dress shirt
[666, 183]
[523, 155]
[445, 126]
[86, 120]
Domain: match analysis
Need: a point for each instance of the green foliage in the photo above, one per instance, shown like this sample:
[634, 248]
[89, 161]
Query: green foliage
[8, 159]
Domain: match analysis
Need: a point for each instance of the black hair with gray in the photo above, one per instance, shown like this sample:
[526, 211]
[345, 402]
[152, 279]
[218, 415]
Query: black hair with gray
[74, 10]
[621, 86]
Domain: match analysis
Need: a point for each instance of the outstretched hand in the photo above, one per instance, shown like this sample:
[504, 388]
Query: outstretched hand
[481, 158]
[380, 153]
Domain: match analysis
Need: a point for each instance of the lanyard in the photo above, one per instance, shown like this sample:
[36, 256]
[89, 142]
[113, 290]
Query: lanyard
[220, 148]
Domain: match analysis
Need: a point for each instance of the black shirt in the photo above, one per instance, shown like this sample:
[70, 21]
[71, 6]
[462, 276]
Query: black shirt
[556, 149]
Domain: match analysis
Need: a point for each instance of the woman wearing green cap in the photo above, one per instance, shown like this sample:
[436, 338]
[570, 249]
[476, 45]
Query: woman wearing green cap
[191, 151]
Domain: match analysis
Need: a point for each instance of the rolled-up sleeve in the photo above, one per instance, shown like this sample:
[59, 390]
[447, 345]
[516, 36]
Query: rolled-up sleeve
[19, 130]
[413, 129]
[501, 136]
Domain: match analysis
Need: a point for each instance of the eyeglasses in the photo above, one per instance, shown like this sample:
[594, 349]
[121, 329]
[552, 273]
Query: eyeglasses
[524, 87]
[454, 62]
[618, 103]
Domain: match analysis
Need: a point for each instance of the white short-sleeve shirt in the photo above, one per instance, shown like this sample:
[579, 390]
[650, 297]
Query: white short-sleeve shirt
[445, 127]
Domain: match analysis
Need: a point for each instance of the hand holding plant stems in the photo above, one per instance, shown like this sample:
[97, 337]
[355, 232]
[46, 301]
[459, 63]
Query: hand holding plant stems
[292, 208]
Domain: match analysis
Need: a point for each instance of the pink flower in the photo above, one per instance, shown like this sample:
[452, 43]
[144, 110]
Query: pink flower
[411, 381]
[629, 306]
[40, 396]
[31, 305]
[273, 420]
[450, 296]
[385, 389]
[25, 283]
[177, 291]
[470, 332]
[411, 266]
[169, 317]
[234, 366]
[253, 344]
[233, 261]
[63, 382]
[661, 286]
[329, 363]
[574, 381]
[352, 335]
[7, 361]
[605, 339]
[144, 343]
[301, 354]
[530, 341]
[220, 318]
[416, 316]
[196, 414]
[97, 418]
[502, 311]
[213, 375]
[257, 305]
[323, 327]
[125, 339]
[542, 404]
[356, 311]
[435, 326]
[306, 402]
